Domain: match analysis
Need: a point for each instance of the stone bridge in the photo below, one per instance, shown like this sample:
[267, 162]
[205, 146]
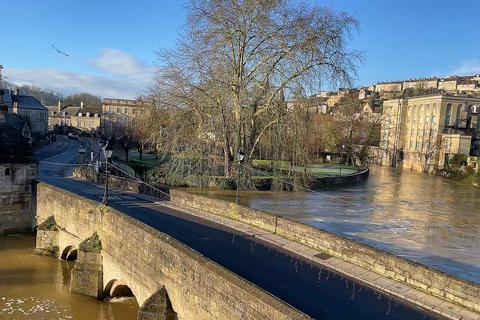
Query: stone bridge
[117, 255]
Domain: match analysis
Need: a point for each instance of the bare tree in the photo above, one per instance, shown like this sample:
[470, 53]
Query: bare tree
[432, 144]
[222, 89]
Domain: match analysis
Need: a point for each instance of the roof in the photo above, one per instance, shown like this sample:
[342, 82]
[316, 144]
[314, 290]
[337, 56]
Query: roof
[28, 102]
[437, 95]
[5, 96]
[123, 102]
[15, 148]
[52, 108]
[69, 111]
[91, 110]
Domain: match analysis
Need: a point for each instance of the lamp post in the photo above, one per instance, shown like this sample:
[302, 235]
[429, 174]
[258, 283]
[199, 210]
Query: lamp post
[341, 160]
[107, 153]
[240, 158]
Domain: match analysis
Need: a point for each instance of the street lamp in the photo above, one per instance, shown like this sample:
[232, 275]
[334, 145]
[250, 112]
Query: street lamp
[240, 158]
[107, 153]
[341, 160]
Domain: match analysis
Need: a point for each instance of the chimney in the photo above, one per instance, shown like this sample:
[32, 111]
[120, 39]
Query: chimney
[59, 105]
[81, 104]
[15, 103]
[17, 91]
[14, 97]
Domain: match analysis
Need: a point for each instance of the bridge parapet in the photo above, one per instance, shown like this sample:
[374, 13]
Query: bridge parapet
[434, 282]
[163, 274]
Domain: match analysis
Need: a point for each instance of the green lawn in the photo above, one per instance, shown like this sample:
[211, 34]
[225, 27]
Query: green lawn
[318, 170]
[148, 158]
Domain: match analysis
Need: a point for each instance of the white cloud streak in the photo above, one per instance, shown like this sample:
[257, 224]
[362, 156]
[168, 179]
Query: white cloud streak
[468, 67]
[121, 76]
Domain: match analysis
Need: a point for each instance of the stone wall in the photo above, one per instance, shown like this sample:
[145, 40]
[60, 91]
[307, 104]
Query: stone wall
[15, 197]
[435, 282]
[119, 182]
[155, 266]
[342, 180]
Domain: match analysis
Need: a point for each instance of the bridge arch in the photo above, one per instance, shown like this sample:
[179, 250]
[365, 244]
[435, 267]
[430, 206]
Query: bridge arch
[69, 253]
[117, 288]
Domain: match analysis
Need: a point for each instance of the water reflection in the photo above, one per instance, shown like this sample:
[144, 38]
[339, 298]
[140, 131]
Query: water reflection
[424, 218]
[35, 287]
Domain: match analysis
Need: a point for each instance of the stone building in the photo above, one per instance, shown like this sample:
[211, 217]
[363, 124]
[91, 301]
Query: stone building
[119, 114]
[17, 169]
[395, 86]
[451, 84]
[87, 118]
[29, 110]
[423, 132]
[63, 117]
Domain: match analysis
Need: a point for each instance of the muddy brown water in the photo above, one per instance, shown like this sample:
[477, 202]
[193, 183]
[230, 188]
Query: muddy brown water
[35, 287]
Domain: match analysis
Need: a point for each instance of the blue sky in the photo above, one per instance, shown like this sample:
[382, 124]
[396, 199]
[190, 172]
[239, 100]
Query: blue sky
[111, 43]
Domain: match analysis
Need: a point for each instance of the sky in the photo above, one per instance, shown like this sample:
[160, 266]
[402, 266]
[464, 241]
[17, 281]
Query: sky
[111, 43]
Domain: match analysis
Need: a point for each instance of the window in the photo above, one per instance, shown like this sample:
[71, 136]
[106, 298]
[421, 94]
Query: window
[110, 109]
[8, 172]
[125, 110]
[448, 114]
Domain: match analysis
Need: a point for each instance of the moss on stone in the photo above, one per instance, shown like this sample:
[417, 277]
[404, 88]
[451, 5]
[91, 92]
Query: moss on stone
[49, 252]
[92, 244]
[48, 225]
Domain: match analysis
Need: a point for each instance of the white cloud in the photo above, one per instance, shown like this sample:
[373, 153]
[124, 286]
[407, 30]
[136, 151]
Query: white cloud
[121, 63]
[121, 76]
[468, 67]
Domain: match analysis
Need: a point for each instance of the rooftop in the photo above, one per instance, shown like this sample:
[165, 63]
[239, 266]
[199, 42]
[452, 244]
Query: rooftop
[91, 109]
[28, 102]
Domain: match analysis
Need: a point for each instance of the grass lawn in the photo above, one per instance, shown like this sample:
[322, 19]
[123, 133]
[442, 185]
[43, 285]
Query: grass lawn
[318, 170]
[148, 158]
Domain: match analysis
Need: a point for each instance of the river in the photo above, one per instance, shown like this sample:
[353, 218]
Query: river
[424, 218]
[35, 287]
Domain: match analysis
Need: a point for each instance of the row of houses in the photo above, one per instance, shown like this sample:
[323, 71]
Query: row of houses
[451, 84]
[114, 118]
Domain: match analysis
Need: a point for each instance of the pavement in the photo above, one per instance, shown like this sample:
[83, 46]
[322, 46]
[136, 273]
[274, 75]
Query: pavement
[285, 270]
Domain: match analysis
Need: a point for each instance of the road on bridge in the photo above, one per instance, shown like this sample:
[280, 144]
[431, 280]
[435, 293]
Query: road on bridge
[319, 293]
